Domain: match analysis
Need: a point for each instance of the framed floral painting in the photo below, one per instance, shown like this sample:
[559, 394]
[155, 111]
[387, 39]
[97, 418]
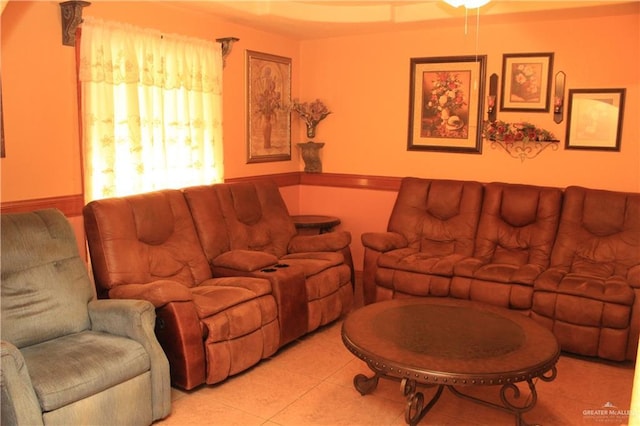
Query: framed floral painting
[526, 82]
[2, 155]
[595, 119]
[268, 98]
[445, 112]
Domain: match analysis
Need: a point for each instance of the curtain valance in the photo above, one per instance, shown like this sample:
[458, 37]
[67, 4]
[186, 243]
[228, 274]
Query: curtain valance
[147, 57]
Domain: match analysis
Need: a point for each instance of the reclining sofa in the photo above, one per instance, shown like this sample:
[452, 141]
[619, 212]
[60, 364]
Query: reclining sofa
[230, 279]
[570, 259]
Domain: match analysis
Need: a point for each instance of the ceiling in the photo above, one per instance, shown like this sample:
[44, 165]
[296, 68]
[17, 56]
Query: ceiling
[302, 20]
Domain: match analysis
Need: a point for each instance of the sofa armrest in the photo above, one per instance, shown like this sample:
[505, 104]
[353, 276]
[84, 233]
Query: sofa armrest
[136, 319]
[159, 292]
[633, 276]
[20, 404]
[244, 260]
[383, 241]
[331, 241]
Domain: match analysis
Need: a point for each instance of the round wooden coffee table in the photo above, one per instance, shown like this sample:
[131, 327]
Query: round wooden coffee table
[451, 343]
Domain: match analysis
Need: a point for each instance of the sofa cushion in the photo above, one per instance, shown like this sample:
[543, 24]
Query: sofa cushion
[508, 273]
[79, 365]
[314, 262]
[239, 337]
[437, 217]
[599, 234]
[244, 216]
[142, 238]
[418, 261]
[517, 227]
[585, 296]
[613, 289]
[240, 320]
[216, 295]
[41, 266]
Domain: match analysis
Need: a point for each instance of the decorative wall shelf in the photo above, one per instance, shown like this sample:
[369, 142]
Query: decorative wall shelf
[519, 140]
[524, 150]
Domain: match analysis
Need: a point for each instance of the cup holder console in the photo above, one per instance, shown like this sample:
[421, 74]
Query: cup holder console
[274, 267]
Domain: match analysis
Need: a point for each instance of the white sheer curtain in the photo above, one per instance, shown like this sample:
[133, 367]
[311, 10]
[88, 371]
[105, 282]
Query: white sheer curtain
[151, 110]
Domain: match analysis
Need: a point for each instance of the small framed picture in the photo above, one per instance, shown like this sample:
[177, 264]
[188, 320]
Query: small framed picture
[1, 124]
[595, 119]
[268, 98]
[526, 82]
[445, 112]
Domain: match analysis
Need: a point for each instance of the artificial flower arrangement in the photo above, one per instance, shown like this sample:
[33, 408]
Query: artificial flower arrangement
[447, 96]
[515, 132]
[524, 83]
[312, 113]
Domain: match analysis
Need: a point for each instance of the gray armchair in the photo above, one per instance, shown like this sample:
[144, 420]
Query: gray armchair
[68, 358]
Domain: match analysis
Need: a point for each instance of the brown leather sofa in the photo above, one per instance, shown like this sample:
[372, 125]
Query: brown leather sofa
[229, 277]
[569, 259]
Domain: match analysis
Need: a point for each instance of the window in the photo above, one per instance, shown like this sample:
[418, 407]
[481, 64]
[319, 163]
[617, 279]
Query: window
[151, 110]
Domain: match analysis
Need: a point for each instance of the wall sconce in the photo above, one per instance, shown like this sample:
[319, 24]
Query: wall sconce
[491, 99]
[226, 44]
[558, 99]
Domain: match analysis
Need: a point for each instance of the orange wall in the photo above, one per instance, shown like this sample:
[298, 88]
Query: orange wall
[365, 81]
[359, 211]
[39, 105]
[39, 90]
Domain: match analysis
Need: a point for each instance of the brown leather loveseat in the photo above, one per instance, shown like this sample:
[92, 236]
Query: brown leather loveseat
[568, 258]
[229, 277]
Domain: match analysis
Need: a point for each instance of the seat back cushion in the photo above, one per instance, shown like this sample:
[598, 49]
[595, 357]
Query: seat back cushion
[437, 217]
[518, 224]
[45, 284]
[254, 214]
[208, 219]
[143, 238]
[599, 233]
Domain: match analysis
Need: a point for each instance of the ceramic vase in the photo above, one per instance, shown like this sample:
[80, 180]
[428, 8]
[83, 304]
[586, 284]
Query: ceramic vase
[311, 156]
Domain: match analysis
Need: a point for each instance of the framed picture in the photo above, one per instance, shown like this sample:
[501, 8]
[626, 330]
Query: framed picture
[445, 112]
[526, 82]
[2, 154]
[268, 98]
[595, 119]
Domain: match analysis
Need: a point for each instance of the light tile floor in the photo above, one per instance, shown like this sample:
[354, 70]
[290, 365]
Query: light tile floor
[310, 382]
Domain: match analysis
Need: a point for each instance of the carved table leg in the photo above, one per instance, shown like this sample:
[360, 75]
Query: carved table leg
[415, 409]
[365, 384]
[510, 397]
